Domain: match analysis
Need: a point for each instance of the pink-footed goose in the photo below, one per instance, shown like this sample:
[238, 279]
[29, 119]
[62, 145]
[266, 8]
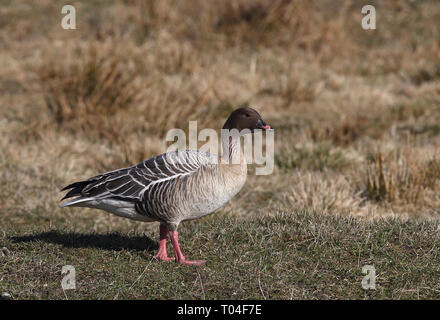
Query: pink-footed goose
[172, 187]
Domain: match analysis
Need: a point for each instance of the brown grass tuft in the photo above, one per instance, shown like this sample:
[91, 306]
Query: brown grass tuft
[93, 83]
[400, 178]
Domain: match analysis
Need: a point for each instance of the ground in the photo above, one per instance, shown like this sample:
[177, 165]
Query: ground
[288, 256]
[357, 129]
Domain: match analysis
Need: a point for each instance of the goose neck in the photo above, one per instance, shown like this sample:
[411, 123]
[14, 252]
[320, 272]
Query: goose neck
[231, 148]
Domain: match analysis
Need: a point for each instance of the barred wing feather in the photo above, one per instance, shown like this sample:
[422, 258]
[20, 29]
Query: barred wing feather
[130, 184]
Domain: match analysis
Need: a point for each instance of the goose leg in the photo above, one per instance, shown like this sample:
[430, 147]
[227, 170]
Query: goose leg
[162, 254]
[178, 253]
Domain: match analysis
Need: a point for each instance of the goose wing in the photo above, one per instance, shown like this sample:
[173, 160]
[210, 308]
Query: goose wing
[130, 184]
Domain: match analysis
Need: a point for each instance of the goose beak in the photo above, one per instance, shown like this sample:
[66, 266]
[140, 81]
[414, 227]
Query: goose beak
[262, 125]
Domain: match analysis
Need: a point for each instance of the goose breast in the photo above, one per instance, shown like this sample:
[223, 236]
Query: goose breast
[205, 188]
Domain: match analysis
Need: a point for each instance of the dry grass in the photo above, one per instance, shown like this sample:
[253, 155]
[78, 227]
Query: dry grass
[402, 180]
[93, 83]
[334, 93]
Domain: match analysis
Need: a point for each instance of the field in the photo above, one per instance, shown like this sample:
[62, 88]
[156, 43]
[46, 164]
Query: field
[357, 128]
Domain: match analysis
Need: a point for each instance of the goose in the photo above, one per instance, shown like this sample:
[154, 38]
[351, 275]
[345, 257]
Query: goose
[173, 187]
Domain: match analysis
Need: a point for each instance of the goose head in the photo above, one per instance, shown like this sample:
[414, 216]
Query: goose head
[245, 118]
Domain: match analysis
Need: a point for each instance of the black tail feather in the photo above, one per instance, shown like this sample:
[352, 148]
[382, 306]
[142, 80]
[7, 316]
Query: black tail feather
[76, 187]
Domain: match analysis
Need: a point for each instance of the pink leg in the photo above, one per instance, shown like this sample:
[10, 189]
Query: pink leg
[179, 255]
[162, 254]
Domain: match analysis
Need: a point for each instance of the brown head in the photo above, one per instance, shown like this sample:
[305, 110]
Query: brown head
[245, 118]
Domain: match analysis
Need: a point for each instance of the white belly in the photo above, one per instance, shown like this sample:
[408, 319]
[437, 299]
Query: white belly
[120, 208]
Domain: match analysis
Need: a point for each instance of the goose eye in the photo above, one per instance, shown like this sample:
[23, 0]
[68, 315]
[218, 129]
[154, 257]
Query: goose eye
[247, 115]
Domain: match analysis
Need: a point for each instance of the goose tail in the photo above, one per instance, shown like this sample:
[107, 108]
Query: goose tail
[76, 191]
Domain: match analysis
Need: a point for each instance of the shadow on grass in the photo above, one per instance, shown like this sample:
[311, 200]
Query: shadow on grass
[110, 241]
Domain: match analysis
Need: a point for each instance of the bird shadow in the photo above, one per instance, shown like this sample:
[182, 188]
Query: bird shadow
[110, 241]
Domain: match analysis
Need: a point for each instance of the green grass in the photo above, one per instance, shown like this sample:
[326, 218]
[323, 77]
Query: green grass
[291, 255]
[319, 157]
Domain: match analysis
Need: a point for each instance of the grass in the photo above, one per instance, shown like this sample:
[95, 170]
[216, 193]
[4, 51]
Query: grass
[287, 256]
[97, 84]
[317, 157]
[403, 180]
